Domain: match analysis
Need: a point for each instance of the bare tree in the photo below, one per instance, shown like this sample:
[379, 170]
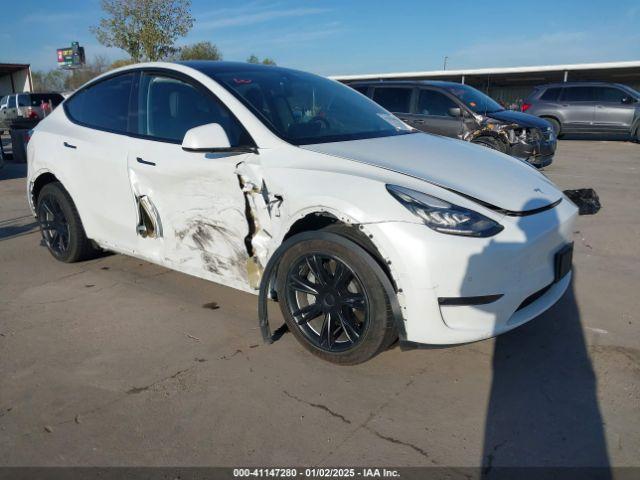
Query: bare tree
[145, 29]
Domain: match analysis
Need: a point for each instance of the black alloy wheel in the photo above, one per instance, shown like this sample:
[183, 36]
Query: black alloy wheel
[60, 225]
[54, 226]
[327, 301]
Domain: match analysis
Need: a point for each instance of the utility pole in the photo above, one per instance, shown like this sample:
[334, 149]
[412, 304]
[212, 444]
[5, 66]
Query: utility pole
[444, 66]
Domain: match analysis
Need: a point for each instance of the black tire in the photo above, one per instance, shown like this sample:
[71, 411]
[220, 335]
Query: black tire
[60, 225]
[490, 142]
[555, 125]
[360, 239]
[347, 324]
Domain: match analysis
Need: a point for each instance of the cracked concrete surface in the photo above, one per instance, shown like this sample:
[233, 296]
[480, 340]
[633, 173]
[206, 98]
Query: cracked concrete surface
[119, 362]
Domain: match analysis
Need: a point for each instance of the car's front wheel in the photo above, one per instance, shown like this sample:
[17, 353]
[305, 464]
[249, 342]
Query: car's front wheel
[333, 302]
[60, 225]
[490, 142]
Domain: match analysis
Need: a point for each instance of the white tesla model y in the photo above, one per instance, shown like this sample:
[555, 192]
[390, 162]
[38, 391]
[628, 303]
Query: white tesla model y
[297, 188]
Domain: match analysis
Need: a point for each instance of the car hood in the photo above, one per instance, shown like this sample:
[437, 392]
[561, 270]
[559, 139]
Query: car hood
[470, 170]
[522, 119]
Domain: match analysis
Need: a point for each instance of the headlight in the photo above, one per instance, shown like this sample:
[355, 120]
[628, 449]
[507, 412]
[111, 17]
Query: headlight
[443, 216]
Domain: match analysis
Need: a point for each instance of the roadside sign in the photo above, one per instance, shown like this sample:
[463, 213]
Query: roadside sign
[71, 57]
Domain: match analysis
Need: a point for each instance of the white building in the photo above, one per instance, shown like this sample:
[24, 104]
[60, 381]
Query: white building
[512, 83]
[15, 78]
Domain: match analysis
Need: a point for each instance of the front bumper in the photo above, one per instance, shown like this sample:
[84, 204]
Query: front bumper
[517, 263]
[538, 151]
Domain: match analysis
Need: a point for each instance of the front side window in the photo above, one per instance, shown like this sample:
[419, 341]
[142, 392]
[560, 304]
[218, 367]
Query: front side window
[610, 94]
[103, 105]
[474, 99]
[303, 108]
[169, 107]
[578, 94]
[393, 99]
[434, 103]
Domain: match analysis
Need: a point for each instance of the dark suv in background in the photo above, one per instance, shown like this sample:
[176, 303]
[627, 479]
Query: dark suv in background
[460, 111]
[587, 107]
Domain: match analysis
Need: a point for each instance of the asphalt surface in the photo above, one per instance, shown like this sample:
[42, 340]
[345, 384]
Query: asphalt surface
[119, 362]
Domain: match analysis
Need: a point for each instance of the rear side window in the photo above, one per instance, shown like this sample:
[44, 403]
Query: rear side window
[169, 107]
[610, 94]
[37, 99]
[578, 94]
[104, 105]
[550, 95]
[434, 103]
[12, 101]
[362, 89]
[23, 100]
[393, 99]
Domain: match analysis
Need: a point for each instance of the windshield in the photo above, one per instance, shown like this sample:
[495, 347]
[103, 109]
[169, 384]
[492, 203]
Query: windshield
[474, 99]
[304, 109]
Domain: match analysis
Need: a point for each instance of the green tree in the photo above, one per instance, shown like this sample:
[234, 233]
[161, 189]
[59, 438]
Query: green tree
[121, 62]
[200, 51]
[145, 29]
[265, 61]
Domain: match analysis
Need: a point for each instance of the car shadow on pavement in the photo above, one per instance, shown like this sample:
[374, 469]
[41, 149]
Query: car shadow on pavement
[543, 409]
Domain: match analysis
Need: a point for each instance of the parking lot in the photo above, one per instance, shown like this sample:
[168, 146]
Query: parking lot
[119, 362]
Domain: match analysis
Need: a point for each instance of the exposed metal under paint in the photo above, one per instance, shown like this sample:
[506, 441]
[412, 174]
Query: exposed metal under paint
[149, 225]
[260, 207]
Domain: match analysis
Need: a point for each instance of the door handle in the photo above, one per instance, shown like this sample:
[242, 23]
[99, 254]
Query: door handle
[68, 145]
[144, 162]
[420, 122]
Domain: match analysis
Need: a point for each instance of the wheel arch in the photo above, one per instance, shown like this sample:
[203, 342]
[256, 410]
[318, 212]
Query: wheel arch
[552, 117]
[38, 183]
[322, 219]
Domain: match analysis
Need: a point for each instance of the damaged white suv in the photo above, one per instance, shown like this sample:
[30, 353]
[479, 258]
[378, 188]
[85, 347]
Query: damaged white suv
[298, 188]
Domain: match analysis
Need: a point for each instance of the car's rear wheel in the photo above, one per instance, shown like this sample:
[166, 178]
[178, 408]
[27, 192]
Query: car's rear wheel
[333, 302]
[60, 225]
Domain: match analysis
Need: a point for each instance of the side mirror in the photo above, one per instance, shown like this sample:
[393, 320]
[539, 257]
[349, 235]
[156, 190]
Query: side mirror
[628, 100]
[455, 112]
[206, 138]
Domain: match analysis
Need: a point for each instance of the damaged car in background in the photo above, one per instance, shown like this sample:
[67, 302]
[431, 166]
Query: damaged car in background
[460, 111]
[298, 189]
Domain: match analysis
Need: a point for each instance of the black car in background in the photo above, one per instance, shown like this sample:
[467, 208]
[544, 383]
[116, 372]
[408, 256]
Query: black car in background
[460, 111]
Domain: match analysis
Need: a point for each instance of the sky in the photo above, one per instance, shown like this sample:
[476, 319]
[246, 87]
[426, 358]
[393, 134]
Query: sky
[334, 37]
